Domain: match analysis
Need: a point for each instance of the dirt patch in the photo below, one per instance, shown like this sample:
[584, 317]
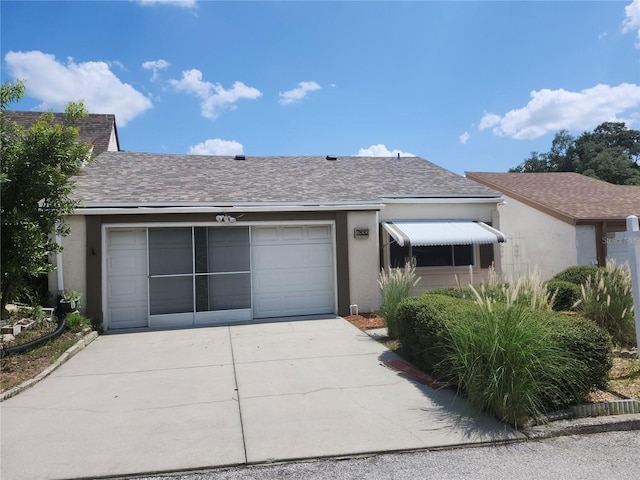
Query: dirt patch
[19, 368]
[625, 377]
[367, 321]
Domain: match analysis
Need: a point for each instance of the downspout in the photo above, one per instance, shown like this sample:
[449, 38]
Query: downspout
[59, 272]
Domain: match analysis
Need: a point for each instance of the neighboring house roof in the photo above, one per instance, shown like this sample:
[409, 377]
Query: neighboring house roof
[128, 179]
[569, 196]
[94, 129]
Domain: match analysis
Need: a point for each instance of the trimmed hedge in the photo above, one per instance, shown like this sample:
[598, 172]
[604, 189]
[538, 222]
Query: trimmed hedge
[590, 344]
[429, 331]
[424, 326]
[566, 294]
[454, 292]
[577, 275]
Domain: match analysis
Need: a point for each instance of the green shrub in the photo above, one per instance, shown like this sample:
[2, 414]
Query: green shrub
[607, 299]
[77, 322]
[424, 324]
[576, 275]
[456, 292]
[589, 344]
[566, 294]
[508, 363]
[395, 286]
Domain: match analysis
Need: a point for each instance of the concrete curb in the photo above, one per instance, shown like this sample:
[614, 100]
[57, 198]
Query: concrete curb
[582, 426]
[70, 352]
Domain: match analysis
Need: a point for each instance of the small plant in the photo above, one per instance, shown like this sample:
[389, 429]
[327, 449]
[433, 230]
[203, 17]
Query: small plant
[395, 286]
[607, 300]
[38, 314]
[77, 322]
[73, 298]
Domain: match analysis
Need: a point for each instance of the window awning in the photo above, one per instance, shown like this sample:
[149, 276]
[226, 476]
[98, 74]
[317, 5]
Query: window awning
[429, 233]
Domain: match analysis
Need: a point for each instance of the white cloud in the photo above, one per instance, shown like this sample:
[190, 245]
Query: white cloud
[214, 97]
[175, 3]
[297, 94]
[155, 66]
[216, 146]
[632, 19]
[55, 84]
[380, 150]
[464, 138]
[553, 110]
[489, 120]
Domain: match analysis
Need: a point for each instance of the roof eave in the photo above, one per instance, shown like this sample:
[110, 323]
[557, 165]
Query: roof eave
[123, 208]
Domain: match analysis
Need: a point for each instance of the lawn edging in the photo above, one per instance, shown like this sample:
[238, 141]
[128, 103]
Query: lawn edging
[70, 352]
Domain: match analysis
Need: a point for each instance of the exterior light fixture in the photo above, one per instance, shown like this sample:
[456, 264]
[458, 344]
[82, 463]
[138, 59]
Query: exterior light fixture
[225, 219]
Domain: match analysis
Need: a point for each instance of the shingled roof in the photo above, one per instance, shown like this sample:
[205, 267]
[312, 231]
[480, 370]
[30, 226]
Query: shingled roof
[95, 129]
[569, 196]
[124, 178]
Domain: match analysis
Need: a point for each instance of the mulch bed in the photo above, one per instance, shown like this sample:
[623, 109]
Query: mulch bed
[366, 321]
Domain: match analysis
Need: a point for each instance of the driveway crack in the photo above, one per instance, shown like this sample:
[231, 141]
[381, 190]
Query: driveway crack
[235, 379]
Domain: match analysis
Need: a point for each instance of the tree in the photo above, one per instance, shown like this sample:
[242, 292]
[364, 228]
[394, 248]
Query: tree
[610, 153]
[37, 164]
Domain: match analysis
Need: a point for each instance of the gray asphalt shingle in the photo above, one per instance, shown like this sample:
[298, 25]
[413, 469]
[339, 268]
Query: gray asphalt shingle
[147, 178]
[95, 129]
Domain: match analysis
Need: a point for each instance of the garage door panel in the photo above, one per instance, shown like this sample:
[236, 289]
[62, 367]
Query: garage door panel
[127, 263]
[293, 271]
[279, 256]
[278, 305]
[322, 232]
[127, 304]
[319, 255]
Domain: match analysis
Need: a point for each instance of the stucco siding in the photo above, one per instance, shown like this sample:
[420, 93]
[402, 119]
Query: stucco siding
[364, 261]
[73, 260]
[535, 239]
[437, 211]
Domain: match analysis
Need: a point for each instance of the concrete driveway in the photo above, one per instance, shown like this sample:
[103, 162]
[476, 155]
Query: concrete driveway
[158, 401]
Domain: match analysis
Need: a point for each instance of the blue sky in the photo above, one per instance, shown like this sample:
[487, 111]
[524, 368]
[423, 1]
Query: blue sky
[469, 85]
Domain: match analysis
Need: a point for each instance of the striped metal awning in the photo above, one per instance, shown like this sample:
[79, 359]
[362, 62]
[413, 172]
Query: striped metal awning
[429, 233]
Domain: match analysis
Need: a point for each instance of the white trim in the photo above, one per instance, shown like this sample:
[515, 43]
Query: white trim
[59, 269]
[231, 210]
[219, 224]
[443, 200]
[105, 313]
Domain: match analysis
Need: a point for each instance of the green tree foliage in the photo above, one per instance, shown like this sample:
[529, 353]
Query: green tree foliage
[36, 192]
[610, 153]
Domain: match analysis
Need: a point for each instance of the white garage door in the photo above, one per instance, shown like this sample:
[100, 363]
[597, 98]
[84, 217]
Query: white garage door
[293, 272]
[127, 286]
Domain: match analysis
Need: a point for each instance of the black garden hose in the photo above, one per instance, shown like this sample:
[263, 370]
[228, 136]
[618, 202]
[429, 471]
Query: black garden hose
[37, 342]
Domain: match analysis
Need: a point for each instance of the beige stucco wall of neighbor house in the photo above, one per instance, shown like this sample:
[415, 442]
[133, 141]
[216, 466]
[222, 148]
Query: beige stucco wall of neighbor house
[364, 263]
[535, 238]
[74, 265]
[433, 277]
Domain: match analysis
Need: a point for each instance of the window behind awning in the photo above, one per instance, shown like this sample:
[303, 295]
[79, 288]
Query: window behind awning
[431, 233]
